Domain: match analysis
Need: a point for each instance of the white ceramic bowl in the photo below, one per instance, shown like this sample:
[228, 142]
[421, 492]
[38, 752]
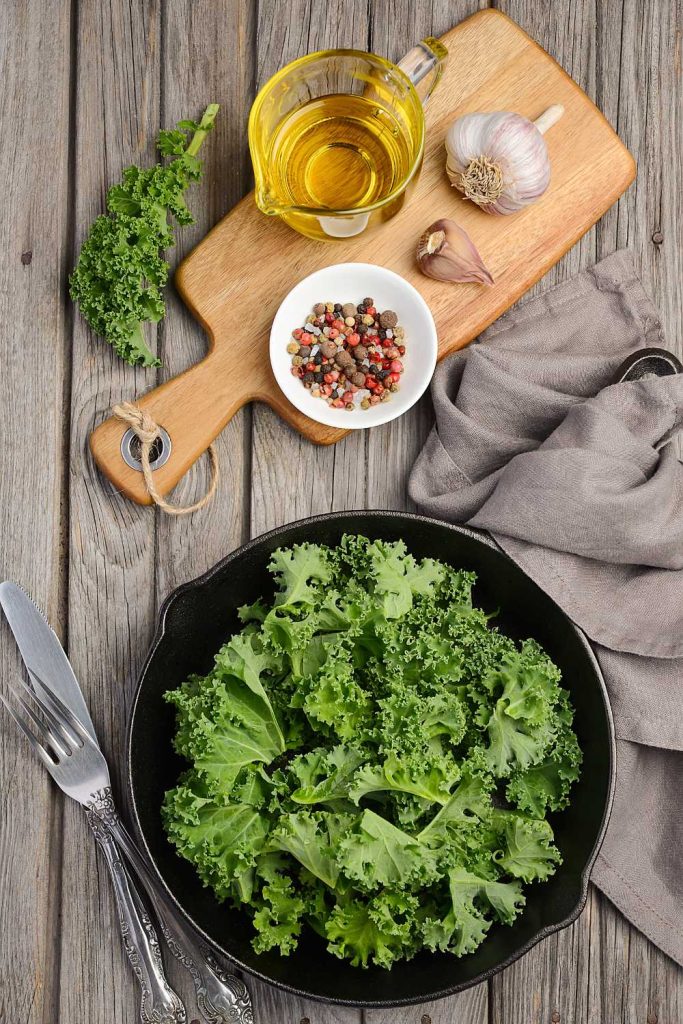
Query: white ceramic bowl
[351, 282]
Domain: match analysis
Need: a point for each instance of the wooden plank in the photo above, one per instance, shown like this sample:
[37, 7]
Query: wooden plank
[111, 578]
[292, 478]
[207, 52]
[34, 169]
[396, 25]
[640, 89]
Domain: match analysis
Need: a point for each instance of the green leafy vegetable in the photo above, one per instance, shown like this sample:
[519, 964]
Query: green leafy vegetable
[369, 758]
[120, 274]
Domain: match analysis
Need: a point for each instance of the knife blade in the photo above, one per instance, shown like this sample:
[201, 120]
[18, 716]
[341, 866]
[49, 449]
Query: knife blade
[41, 650]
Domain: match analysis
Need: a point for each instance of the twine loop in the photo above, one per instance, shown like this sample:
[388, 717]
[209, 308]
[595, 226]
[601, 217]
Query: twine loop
[147, 431]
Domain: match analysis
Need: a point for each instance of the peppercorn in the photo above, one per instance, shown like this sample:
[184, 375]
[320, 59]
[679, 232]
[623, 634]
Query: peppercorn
[361, 329]
[367, 319]
[292, 348]
[361, 308]
[319, 309]
[337, 307]
[385, 396]
[360, 353]
[349, 309]
[318, 377]
[365, 404]
[388, 318]
[297, 361]
[328, 348]
[358, 379]
[305, 351]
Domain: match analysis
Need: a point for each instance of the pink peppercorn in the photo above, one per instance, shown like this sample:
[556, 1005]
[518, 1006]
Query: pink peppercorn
[353, 339]
[337, 404]
[339, 324]
[396, 366]
[402, 350]
[334, 333]
[306, 338]
[297, 333]
[395, 377]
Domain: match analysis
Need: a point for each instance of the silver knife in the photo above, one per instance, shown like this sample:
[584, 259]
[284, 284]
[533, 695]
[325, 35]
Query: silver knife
[42, 652]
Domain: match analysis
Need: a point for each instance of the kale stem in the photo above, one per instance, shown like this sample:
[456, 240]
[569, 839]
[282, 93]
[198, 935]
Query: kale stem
[205, 126]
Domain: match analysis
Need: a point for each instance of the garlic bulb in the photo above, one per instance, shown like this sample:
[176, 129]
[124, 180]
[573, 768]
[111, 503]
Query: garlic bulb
[447, 253]
[500, 160]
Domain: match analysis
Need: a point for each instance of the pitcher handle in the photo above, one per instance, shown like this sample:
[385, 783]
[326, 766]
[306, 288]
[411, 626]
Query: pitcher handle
[424, 66]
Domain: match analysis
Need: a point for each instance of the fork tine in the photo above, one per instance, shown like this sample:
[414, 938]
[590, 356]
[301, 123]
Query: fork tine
[38, 748]
[43, 699]
[63, 714]
[44, 731]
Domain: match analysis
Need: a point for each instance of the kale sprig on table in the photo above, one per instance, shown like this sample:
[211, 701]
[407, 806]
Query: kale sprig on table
[120, 275]
[371, 759]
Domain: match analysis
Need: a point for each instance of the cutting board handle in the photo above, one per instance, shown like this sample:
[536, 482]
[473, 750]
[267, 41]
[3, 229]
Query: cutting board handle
[193, 408]
[193, 411]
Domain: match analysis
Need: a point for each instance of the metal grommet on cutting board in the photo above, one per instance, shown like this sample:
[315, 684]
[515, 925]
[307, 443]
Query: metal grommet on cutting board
[160, 451]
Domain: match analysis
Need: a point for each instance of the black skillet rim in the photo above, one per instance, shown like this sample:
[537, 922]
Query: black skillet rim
[543, 933]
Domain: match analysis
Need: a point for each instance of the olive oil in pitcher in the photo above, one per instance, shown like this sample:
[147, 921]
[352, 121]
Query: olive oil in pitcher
[339, 152]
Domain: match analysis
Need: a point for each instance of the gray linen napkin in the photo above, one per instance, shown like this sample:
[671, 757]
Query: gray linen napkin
[576, 481]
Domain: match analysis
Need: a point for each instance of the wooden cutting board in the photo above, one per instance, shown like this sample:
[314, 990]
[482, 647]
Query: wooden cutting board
[493, 65]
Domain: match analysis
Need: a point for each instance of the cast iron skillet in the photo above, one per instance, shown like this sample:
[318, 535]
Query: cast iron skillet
[195, 621]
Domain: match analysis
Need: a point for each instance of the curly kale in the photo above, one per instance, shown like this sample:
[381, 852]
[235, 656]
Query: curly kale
[371, 759]
[120, 275]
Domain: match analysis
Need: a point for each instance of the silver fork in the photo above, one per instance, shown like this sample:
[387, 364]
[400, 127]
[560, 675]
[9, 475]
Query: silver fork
[79, 768]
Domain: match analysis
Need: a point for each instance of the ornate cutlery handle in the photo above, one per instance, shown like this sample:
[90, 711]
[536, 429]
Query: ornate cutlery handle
[159, 1003]
[222, 998]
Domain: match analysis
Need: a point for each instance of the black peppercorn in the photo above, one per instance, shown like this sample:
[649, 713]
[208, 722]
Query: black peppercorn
[337, 307]
[317, 359]
[318, 377]
[361, 329]
[309, 377]
[362, 309]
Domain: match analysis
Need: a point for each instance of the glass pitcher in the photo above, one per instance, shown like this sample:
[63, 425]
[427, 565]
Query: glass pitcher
[337, 137]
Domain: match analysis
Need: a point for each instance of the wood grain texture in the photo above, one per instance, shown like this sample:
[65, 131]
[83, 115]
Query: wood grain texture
[111, 541]
[492, 64]
[34, 166]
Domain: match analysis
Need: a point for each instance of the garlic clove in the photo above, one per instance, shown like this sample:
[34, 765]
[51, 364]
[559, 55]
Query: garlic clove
[500, 160]
[447, 253]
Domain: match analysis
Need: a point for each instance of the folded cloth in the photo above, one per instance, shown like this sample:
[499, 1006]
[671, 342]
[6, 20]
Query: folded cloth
[576, 480]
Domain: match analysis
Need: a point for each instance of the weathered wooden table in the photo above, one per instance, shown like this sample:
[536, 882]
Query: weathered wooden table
[85, 86]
